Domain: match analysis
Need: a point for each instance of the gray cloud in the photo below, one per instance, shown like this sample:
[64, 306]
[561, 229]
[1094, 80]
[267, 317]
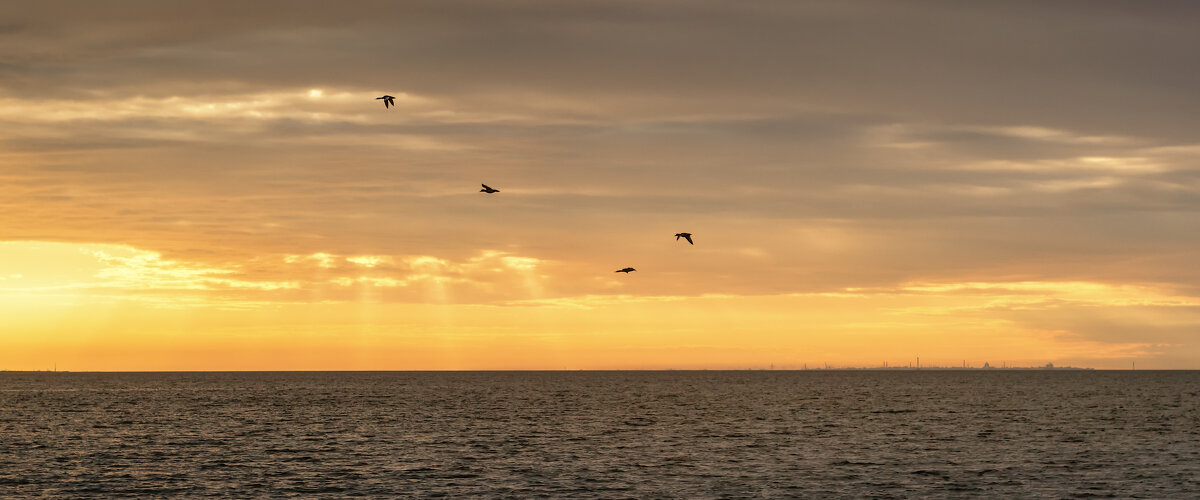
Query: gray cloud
[748, 125]
[1110, 69]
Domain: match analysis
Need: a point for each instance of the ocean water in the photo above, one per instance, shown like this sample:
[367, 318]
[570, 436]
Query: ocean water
[679, 434]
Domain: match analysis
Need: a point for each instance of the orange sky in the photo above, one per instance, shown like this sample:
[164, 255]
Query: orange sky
[187, 187]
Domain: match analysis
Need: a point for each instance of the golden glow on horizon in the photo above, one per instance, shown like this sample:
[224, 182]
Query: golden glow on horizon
[110, 307]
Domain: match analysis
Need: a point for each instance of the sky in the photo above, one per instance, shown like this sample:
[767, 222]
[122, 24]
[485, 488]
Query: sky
[213, 185]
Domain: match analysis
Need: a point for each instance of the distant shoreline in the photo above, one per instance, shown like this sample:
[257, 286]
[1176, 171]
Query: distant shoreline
[788, 370]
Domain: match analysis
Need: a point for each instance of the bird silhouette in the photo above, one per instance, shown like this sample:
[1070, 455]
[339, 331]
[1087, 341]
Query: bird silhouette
[487, 189]
[626, 270]
[686, 236]
[387, 100]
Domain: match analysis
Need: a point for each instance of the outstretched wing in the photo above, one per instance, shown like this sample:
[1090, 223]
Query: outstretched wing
[485, 186]
[689, 238]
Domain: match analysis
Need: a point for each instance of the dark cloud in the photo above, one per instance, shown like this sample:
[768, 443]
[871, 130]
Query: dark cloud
[810, 146]
[1120, 70]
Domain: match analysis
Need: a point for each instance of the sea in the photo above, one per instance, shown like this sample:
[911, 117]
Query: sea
[618, 434]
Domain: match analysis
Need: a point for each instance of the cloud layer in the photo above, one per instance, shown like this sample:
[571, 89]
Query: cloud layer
[812, 148]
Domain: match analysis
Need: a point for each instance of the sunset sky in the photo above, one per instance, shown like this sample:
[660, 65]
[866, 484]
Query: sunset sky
[213, 185]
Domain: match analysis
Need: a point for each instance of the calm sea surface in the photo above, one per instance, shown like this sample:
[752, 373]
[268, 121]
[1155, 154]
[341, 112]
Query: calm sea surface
[604, 434]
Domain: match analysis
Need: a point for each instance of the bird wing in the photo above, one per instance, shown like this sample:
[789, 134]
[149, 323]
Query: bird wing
[485, 186]
[689, 238]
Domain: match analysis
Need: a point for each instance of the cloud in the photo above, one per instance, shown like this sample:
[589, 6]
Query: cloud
[812, 147]
[122, 272]
[1071, 68]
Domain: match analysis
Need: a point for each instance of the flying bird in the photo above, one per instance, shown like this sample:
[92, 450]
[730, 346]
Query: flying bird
[626, 270]
[387, 100]
[487, 189]
[686, 236]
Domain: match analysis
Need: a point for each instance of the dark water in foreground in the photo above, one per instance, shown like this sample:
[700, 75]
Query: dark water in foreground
[605, 434]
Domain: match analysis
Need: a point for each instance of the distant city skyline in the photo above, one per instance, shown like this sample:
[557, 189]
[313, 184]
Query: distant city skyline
[218, 186]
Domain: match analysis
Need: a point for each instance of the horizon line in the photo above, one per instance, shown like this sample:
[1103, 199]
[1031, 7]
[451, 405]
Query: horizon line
[563, 370]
